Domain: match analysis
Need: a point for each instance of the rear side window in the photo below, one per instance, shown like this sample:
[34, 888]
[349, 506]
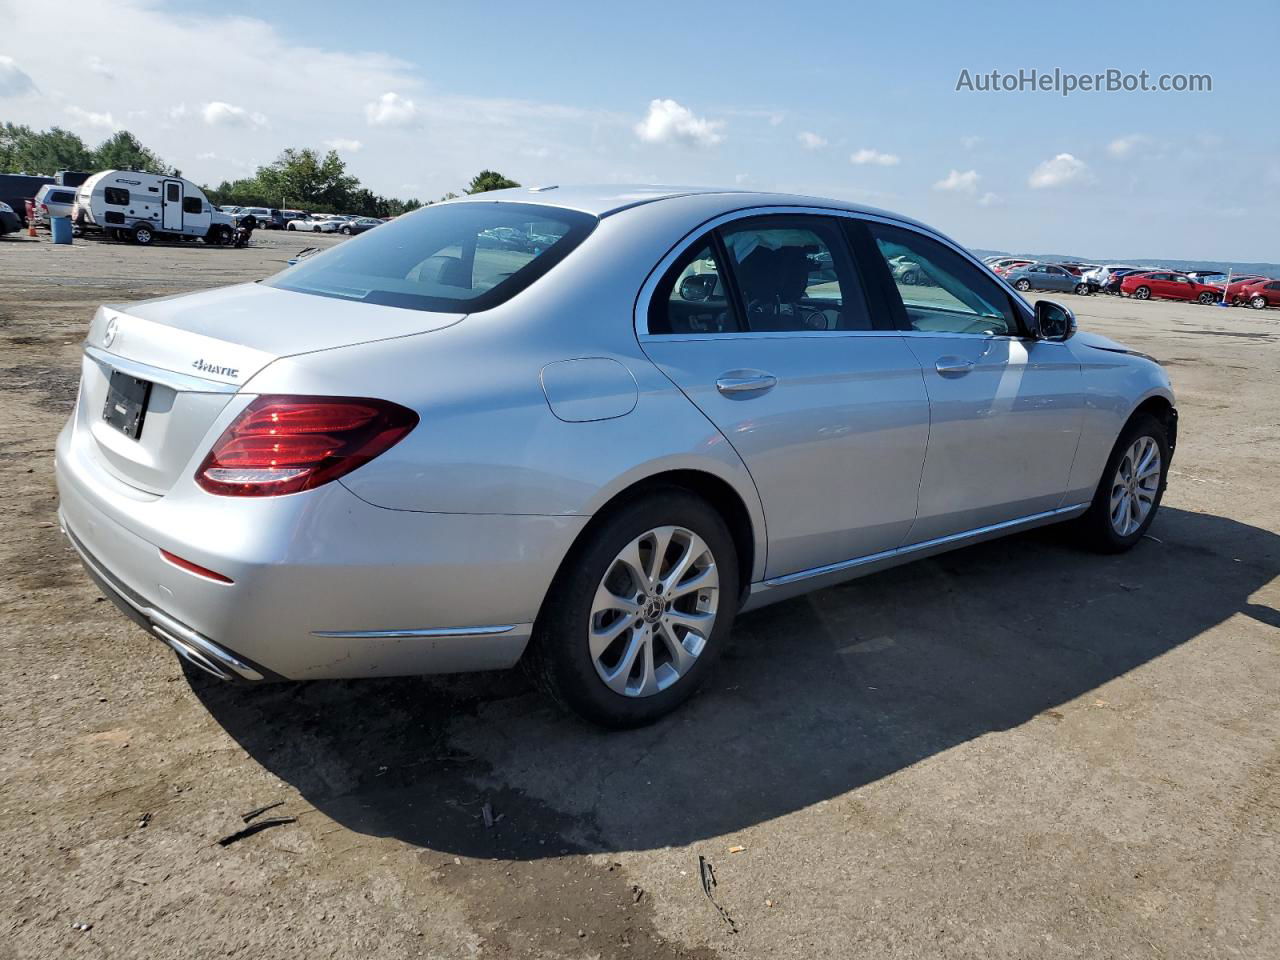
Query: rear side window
[794, 275]
[116, 196]
[693, 296]
[941, 291]
[192, 205]
[61, 196]
[452, 257]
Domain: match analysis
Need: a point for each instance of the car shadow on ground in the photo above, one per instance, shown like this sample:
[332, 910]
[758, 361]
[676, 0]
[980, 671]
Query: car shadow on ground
[817, 697]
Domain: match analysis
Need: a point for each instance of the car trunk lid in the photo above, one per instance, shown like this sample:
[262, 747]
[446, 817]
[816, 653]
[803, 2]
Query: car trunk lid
[157, 375]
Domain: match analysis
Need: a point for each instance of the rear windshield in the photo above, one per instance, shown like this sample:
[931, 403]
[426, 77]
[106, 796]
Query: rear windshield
[451, 258]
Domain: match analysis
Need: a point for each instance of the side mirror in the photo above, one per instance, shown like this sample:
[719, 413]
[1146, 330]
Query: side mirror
[698, 287]
[1054, 321]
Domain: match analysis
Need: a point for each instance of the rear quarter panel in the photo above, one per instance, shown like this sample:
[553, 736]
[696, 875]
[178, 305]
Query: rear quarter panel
[488, 441]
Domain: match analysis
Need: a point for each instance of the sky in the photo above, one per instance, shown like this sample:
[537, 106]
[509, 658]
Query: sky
[851, 100]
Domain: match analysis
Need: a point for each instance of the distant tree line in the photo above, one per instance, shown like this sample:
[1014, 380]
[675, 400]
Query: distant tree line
[45, 152]
[298, 178]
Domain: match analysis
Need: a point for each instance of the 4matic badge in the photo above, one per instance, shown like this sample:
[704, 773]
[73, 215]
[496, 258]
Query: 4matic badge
[216, 370]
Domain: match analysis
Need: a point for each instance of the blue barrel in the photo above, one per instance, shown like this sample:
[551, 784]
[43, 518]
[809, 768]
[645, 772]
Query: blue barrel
[60, 227]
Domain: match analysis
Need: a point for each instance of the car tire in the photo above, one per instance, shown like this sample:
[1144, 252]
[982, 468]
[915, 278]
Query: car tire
[346, 230]
[316, 230]
[1207, 298]
[291, 227]
[1023, 285]
[1258, 303]
[143, 235]
[1098, 527]
[560, 659]
[1142, 293]
[1082, 289]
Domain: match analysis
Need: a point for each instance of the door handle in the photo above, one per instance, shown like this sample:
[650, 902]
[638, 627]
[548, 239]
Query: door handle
[743, 382]
[953, 366]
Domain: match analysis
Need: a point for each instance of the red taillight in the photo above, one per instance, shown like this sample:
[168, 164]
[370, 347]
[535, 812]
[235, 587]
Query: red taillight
[285, 444]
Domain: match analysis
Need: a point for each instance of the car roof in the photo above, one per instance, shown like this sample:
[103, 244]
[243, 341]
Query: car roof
[603, 200]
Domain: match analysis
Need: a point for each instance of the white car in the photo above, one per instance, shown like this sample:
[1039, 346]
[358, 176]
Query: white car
[314, 225]
[54, 201]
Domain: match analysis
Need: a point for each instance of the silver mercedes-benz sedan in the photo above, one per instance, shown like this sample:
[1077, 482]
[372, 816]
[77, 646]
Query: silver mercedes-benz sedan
[582, 429]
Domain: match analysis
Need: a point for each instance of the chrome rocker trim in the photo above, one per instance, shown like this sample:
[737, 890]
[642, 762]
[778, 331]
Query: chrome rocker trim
[793, 584]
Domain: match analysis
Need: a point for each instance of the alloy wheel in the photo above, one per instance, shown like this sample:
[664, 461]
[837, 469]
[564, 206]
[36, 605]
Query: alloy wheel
[654, 611]
[1135, 485]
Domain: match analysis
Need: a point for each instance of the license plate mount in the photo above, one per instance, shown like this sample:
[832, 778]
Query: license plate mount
[126, 405]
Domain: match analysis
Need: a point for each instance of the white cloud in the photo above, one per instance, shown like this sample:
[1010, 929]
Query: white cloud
[537, 153]
[811, 141]
[206, 156]
[866, 155]
[218, 113]
[775, 119]
[957, 182]
[990, 199]
[178, 112]
[344, 145]
[391, 110]
[96, 65]
[1061, 170]
[14, 81]
[87, 118]
[1126, 146]
[970, 141]
[670, 122]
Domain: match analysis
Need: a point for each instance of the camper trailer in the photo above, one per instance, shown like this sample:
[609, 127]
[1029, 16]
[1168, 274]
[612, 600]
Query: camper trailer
[145, 207]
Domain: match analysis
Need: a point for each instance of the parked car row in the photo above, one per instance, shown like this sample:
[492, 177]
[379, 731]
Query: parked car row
[1129, 280]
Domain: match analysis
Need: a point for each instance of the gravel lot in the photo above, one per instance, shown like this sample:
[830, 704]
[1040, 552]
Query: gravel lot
[1015, 750]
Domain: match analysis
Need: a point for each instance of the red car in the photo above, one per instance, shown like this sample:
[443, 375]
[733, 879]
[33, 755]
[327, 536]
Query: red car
[1261, 293]
[1169, 286]
[1235, 289]
[1004, 266]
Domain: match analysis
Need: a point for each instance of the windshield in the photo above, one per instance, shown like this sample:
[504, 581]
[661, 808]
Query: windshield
[452, 257]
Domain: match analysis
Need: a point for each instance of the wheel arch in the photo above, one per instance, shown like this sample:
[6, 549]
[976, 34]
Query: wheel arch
[745, 524]
[1159, 405]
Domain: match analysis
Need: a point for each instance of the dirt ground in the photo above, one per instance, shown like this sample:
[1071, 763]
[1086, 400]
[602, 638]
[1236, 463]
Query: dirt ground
[1017, 750]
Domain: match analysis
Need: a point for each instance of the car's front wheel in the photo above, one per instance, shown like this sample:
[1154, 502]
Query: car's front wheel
[1131, 488]
[1082, 289]
[639, 612]
[1207, 298]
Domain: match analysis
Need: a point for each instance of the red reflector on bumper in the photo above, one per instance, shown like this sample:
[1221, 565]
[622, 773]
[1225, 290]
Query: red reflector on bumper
[195, 568]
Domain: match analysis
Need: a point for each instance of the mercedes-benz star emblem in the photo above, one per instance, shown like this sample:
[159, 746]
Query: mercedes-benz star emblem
[109, 335]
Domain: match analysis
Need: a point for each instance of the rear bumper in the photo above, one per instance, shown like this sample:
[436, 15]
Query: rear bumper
[324, 585]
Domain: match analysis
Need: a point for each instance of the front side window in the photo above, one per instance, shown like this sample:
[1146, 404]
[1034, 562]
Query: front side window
[192, 205]
[116, 196]
[949, 294]
[794, 274]
[452, 257]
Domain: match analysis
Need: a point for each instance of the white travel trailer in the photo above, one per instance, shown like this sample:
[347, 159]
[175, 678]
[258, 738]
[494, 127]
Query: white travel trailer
[144, 207]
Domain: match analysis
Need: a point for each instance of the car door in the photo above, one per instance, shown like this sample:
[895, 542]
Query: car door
[1005, 408]
[1181, 288]
[765, 325]
[1271, 291]
[1056, 278]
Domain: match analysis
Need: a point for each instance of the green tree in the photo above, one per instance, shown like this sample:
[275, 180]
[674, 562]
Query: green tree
[303, 178]
[45, 152]
[487, 180]
[123, 151]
